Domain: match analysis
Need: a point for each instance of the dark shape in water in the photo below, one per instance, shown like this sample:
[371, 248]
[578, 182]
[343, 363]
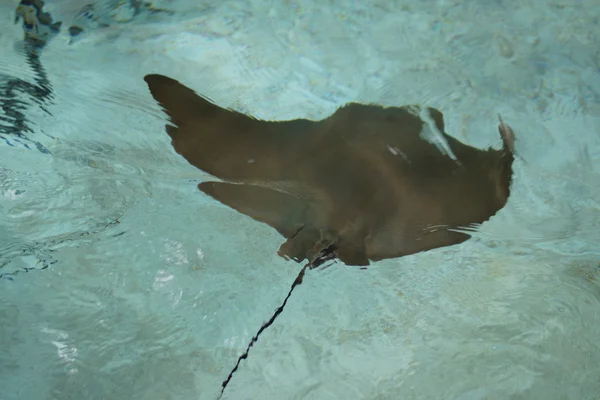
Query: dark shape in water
[38, 26]
[43, 250]
[362, 182]
[96, 15]
[75, 30]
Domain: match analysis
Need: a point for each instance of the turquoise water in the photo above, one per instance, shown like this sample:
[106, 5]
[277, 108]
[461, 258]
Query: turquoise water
[140, 287]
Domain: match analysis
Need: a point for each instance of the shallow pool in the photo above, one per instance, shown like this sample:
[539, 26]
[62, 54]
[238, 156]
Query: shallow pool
[120, 280]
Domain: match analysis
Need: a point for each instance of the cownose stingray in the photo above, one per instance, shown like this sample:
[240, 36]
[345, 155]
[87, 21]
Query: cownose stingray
[363, 183]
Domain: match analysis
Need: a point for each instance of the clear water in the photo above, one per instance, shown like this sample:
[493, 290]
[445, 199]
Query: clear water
[139, 287]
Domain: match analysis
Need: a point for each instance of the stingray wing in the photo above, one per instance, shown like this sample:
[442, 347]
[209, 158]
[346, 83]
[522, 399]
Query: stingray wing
[226, 143]
[282, 211]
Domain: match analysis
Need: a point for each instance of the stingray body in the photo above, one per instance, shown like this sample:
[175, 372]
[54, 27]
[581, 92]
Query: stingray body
[363, 182]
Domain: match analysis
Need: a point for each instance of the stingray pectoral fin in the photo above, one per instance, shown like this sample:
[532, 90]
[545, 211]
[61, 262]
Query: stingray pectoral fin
[228, 144]
[353, 255]
[279, 210]
[179, 102]
[295, 248]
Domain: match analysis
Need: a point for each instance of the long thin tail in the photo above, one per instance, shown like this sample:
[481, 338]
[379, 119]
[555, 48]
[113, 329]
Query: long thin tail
[327, 255]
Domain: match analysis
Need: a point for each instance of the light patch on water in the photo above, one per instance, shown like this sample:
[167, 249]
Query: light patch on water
[432, 134]
[174, 253]
[67, 352]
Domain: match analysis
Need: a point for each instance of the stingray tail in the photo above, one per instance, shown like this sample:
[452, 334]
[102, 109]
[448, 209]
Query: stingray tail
[278, 311]
[327, 255]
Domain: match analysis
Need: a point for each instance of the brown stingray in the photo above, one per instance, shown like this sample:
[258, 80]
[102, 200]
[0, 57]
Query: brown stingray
[362, 182]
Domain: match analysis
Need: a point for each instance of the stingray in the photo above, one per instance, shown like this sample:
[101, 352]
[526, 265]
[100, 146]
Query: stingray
[365, 184]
